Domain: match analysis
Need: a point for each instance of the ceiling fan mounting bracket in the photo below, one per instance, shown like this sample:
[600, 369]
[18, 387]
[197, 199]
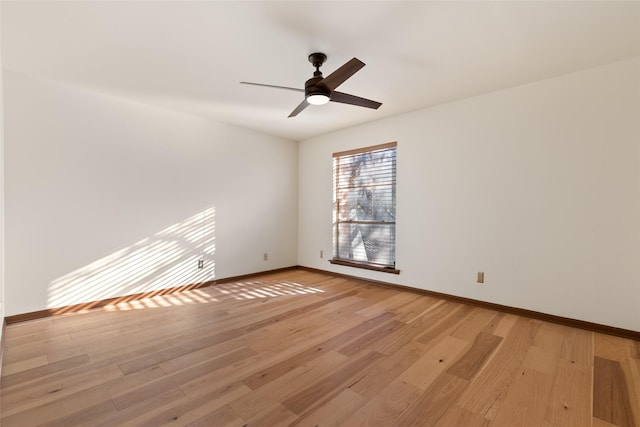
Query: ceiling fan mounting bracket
[317, 59]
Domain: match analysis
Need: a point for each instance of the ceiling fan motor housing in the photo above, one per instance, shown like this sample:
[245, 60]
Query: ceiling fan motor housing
[311, 87]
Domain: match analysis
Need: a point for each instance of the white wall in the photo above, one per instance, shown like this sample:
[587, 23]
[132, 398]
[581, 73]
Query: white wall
[105, 197]
[1, 188]
[538, 186]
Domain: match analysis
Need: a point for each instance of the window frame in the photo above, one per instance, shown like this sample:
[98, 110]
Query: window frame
[368, 265]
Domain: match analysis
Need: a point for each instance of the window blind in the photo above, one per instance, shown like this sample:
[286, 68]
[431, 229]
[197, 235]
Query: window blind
[365, 206]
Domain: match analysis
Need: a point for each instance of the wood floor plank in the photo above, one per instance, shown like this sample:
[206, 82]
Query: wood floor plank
[288, 384]
[33, 349]
[39, 372]
[387, 370]
[231, 373]
[390, 344]
[417, 308]
[277, 416]
[457, 416]
[436, 400]
[371, 338]
[167, 382]
[371, 295]
[322, 391]
[260, 378]
[221, 417]
[185, 411]
[489, 389]
[64, 403]
[38, 336]
[386, 407]
[316, 331]
[474, 323]
[434, 362]
[136, 413]
[527, 402]
[91, 403]
[334, 412]
[597, 422]
[505, 324]
[195, 357]
[446, 324]
[36, 326]
[430, 315]
[101, 409]
[608, 347]
[570, 398]
[474, 359]
[634, 369]
[302, 347]
[392, 303]
[611, 402]
[23, 365]
[57, 387]
[546, 349]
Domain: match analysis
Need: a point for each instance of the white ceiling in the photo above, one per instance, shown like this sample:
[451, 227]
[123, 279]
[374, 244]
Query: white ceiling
[191, 56]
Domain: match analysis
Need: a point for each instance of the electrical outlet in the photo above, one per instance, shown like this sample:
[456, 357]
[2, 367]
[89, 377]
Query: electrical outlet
[480, 277]
[265, 257]
[321, 253]
[200, 263]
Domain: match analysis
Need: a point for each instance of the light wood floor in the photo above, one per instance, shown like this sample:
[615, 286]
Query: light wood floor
[308, 349]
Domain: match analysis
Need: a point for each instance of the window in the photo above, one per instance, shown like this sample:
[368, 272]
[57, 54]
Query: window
[364, 208]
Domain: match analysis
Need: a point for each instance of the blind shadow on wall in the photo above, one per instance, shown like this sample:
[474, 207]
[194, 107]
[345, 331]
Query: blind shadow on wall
[179, 255]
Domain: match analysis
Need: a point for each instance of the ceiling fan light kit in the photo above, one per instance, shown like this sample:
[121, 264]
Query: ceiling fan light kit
[317, 99]
[319, 90]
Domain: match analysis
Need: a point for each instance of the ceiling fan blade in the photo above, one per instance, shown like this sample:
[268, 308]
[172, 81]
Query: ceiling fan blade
[274, 86]
[345, 98]
[304, 104]
[338, 77]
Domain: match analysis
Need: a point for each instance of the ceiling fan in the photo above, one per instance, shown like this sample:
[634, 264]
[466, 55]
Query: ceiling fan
[319, 90]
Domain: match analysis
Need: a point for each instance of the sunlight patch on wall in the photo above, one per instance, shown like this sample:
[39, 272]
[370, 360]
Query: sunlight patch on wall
[168, 259]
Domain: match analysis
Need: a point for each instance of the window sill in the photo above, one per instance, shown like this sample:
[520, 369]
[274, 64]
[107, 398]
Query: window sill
[356, 264]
